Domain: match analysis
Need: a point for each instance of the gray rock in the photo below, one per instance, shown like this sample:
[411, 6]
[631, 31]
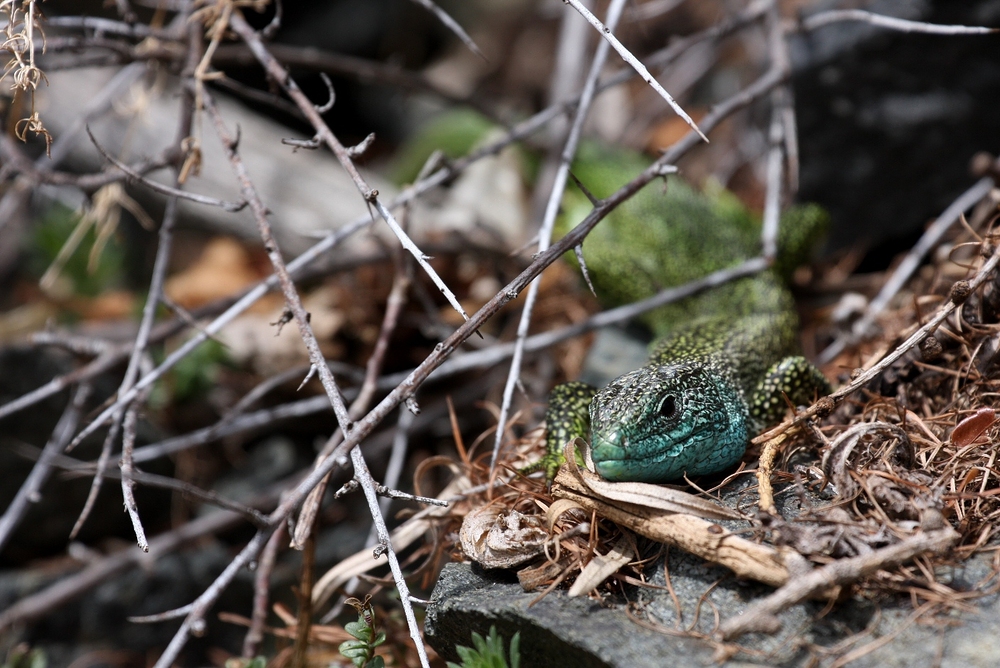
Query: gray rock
[579, 632]
[555, 631]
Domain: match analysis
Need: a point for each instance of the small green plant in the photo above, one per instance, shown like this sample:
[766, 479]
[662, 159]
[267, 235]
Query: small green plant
[22, 656]
[489, 652]
[256, 662]
[361, 651]
[73, 257]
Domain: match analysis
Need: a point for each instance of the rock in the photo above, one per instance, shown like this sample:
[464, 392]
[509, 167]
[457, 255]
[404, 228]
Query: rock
[888, 121]
[560, 631]
[555, 631]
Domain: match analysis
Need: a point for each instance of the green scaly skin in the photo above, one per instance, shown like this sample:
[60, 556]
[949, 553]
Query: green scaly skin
[723, 362]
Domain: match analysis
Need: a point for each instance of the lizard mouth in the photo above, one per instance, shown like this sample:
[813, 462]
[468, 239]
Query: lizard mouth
[617, 459]
[612, 461]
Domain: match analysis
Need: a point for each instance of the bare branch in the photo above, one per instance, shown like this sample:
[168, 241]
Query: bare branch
[162, 189]
[363, 476]
[278, 73]
[826, 404]
[31, 488]
[451, 24]
[292, 300]
[128, 470]
[605, 32]
[772, 201]
[761, 614]
[548, 222]
[903, 25]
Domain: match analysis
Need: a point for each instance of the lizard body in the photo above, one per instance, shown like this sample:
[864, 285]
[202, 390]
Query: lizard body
[722, 362]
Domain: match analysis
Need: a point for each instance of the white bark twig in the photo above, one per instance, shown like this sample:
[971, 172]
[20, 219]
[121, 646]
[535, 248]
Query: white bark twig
[418, 255]
[548, 222]
[280, 75]
[640, 69]
[902, 25]
[363, 476]
[778, 50]
[452, 25]
[30, 490]
[127, 469]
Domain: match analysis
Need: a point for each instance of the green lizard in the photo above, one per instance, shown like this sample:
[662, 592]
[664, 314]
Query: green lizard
[722, 363]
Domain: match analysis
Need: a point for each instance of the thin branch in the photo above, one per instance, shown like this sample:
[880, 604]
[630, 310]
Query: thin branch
[903, 25]
[31, 489]
[761, 614]
[292, 300]
[388, 493]
[280, 75]
[394, 306]
[778, 50]
[128, 471]
[452, 25]
[261, 593]
[394, 469]
[640, 69]
[960, 292]
[367, 71]
[195, 620]
[102, 25]
[548, 222]
[231, 207]
[160, 266]
[363, 476]
[253, 515]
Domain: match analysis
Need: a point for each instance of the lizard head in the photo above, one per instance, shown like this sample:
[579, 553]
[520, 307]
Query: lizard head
[659, 422]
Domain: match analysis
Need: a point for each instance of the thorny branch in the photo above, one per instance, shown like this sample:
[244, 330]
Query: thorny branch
[549, 220]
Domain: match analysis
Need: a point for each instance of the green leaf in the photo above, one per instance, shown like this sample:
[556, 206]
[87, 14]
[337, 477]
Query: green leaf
[376, 662]
[359, 630]
[379, 639]
[355, 648]
[467, 655]
[480, 642]
[515, 650]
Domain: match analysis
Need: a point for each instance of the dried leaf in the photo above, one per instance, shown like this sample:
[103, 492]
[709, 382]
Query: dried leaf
[972, 427]
[499, 538]
[652, 496]
[601, 568]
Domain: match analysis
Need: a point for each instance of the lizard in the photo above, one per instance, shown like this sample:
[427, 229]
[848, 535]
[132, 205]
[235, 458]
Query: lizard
[724, 363]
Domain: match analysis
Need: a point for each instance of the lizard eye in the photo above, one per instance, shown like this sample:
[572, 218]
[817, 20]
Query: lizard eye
[668, 407]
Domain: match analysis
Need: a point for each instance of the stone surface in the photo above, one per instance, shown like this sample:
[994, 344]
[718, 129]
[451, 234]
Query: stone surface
[888, 121]
[555, 631]
[579, 632]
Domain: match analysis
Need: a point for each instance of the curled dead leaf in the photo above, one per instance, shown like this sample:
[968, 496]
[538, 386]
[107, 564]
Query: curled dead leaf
[500, 538]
